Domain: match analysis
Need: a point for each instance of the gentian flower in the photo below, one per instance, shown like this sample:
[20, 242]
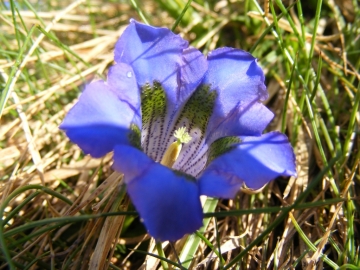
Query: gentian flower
[180, 125]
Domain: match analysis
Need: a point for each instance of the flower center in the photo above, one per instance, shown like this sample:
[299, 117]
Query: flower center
[172, 153]
[164, 115]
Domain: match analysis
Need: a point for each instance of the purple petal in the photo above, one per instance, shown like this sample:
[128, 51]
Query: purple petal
[249, 120]
[122, 80]
[167, 202]
[158, 55]
[231, 106]
[192, 69]
[103, 115]
[255, 161]
[239, 83]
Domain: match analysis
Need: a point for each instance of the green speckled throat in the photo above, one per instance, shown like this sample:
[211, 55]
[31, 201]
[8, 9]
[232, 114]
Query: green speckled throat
[221, 146]
[153, 109]
[194, 116]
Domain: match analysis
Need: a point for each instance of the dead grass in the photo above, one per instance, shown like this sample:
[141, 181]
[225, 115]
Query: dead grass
[46, 179]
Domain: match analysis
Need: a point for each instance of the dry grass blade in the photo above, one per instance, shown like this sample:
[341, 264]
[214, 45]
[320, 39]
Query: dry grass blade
[108, 185]
[109, 234]
[57, 198]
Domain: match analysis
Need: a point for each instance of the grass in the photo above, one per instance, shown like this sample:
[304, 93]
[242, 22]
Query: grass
[62, 210]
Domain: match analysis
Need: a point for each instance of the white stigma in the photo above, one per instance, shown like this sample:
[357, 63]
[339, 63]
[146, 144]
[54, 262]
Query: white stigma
[182, 135]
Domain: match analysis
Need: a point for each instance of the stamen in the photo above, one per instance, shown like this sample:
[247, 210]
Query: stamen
[173, 152]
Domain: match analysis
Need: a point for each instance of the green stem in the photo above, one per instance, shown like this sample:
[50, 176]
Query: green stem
[162, 255]
[181, 15]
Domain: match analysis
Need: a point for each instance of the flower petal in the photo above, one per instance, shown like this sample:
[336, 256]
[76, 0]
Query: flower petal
[167, 72]
[104, 114]
[157, 54]
[239, 82]
[167, 202]
[254, 161]
[122, 80]
[225, 104]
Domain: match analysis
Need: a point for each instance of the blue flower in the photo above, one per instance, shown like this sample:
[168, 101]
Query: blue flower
[180, 125]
